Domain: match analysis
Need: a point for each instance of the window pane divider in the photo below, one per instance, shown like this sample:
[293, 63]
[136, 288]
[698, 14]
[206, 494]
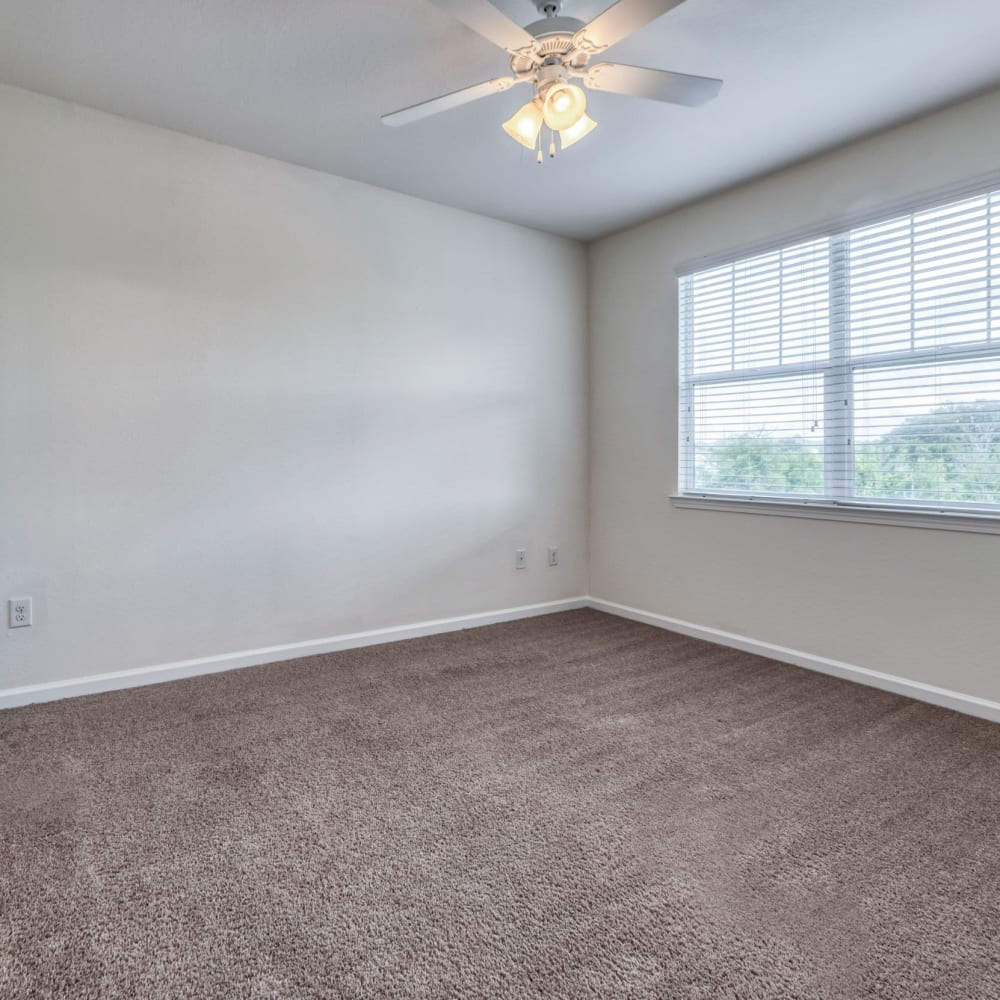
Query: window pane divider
[926, 356]
[769, 371]
[838, 426]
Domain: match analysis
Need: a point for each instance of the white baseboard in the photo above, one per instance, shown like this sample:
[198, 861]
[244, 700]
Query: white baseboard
[55, 690]
[983, 708]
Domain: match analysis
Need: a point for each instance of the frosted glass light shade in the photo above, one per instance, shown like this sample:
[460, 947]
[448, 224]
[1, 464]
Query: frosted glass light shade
[525, 125]
[575, 133]
[565, 105]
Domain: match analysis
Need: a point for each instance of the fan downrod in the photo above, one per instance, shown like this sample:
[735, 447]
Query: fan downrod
[548, 8]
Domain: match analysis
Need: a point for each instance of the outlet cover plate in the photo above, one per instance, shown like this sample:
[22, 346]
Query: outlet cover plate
[19, 612]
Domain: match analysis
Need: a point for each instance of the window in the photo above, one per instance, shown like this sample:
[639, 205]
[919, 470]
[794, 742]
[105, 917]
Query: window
[858, 369]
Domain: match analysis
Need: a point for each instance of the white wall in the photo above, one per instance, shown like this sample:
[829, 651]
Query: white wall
[917, 603]
[246, 404]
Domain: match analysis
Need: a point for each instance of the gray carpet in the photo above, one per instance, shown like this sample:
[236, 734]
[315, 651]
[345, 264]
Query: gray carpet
[572, 806]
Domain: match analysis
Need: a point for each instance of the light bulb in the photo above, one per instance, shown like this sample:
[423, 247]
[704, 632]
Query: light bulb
[525, 125]
[575, 133]
[565, 104]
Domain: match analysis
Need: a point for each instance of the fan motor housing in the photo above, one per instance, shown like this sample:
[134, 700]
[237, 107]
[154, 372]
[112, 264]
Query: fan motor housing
[555, 26]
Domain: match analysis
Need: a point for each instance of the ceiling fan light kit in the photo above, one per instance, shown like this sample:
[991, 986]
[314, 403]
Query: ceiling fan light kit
[559, 105]
[550, 54]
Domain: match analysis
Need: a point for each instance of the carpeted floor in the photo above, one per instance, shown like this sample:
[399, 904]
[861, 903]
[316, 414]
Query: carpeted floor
[566, 807]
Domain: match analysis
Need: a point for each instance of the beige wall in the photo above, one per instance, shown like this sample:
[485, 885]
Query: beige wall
[918, 603]
[244, 404]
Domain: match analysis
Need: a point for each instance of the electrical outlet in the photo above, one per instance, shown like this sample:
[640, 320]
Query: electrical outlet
[18, 612]
[520, 559]
[553, 556]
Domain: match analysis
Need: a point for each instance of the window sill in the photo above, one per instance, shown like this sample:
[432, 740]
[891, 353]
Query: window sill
[823, 510]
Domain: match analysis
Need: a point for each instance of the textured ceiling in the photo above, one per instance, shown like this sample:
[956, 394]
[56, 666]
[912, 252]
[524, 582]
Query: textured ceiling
[306, 81]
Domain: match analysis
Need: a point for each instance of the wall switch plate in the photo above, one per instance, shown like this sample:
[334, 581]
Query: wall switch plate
[520, 559]
[19, 612]
[553, 556]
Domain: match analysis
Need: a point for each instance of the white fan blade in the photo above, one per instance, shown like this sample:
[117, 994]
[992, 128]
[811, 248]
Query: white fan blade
[486, 20]
[624, 18]
[453, 100]
[653, 84]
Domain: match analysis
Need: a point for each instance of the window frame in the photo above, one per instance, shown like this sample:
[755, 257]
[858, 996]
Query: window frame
[838, 371]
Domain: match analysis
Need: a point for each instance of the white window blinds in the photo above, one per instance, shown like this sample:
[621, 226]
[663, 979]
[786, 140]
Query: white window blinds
[860, 367]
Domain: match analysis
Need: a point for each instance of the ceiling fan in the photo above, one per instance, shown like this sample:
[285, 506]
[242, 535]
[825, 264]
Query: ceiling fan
[552, 52]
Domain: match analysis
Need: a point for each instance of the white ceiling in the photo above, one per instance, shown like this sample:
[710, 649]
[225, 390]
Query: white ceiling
[306, 81]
